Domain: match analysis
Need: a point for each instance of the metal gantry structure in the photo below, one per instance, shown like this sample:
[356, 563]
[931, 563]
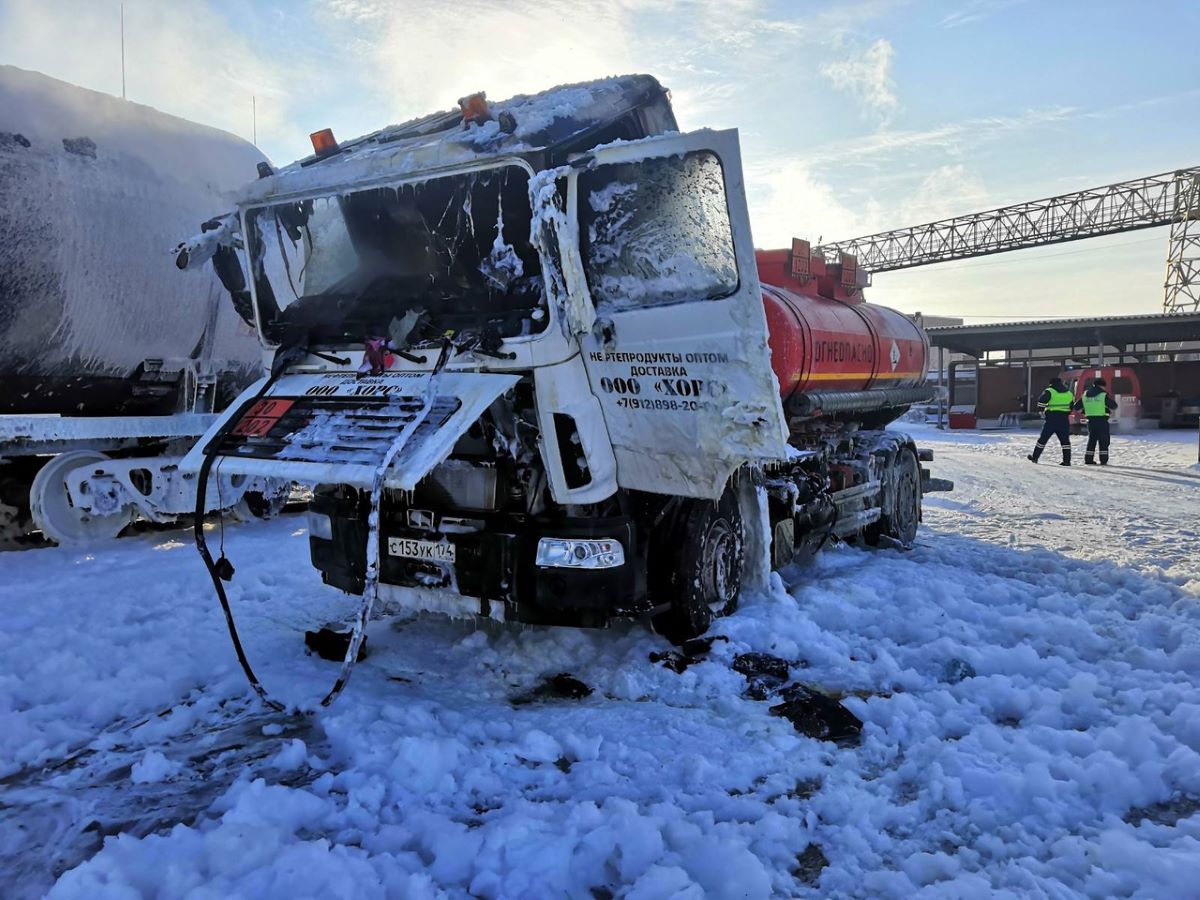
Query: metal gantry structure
[1172, 198]
[1183, 249]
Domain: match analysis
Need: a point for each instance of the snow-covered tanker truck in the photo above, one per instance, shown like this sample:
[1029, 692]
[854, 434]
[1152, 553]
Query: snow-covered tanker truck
[111, 363]
[532, 363]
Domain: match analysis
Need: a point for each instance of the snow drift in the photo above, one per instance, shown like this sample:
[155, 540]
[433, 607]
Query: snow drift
[1025, 678]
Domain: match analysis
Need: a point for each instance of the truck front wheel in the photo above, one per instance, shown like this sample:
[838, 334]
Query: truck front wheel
[697, 566]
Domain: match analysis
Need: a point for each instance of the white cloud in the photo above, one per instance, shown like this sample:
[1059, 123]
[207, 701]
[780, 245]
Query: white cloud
[946, 191]
[426, 59]
[357, 10]
[975, 10]
[786, 201]
[357, 65]
[385, 61]
[952, 137]
[868, 76]
[711, 53]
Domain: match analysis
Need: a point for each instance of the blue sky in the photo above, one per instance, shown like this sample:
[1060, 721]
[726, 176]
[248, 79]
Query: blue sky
[854, 116]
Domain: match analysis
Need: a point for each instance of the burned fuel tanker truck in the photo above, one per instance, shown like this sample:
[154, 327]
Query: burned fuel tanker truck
[532, 364]
[111, 362]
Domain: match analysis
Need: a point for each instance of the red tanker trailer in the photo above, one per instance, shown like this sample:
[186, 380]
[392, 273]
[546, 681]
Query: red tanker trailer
[536, 371]
[823, 336]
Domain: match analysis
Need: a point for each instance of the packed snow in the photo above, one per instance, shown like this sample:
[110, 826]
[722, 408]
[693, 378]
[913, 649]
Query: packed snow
[1026, 677]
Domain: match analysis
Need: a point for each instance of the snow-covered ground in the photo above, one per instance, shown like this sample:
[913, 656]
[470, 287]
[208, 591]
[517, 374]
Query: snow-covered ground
[134, 761]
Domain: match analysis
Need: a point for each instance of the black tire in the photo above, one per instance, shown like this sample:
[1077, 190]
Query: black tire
[903, 514]
[697, 564]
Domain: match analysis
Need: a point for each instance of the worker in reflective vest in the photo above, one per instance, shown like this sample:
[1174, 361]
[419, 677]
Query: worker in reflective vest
[1097, 404]
[1055, 404]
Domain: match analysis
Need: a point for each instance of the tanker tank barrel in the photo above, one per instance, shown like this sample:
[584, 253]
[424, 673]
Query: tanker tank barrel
[95, 318]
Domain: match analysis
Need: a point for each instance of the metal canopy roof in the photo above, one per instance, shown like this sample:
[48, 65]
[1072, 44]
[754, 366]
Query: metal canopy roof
[1113, 331]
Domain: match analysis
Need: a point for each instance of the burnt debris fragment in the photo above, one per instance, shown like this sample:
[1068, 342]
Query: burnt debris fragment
[811, 712]
[8, 138]
[80, 146]
[562, 686]
[672, 659]
[765, 674]
[817, 716]
[809, 864]
[957, 670]
[332, 645]
[690, 652]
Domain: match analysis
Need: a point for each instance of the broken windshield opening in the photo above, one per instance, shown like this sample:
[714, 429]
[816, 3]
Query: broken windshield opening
[656, 231]
[449, 254]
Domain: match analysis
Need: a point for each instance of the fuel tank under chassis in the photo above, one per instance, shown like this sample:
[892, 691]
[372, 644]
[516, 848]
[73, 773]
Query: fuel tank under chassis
[822, 344]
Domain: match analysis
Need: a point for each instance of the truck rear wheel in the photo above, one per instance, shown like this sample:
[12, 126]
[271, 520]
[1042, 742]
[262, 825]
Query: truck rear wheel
[698, 563]
[902, 515]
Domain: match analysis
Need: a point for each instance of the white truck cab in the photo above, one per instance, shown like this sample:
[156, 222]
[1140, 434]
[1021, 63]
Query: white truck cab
[521, 354]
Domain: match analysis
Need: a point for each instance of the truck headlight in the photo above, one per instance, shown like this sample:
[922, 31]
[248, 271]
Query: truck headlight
[320, 526]
[571, 553]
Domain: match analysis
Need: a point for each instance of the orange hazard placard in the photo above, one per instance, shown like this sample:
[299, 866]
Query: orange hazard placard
[262, 416]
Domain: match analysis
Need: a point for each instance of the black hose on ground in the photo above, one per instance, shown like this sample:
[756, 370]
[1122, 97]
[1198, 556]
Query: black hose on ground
[215, 570]
[222, 569]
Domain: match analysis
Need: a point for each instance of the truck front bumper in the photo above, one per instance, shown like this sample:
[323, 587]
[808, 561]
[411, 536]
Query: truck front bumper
[496, 565]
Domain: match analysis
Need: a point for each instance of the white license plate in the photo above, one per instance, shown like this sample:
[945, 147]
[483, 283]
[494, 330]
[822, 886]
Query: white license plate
[411, 548]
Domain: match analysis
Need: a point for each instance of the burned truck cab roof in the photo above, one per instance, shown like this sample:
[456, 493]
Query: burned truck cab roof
[544, 129]
[426, 228]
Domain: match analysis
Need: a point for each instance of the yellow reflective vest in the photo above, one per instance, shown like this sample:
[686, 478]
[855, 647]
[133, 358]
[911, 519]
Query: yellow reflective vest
[1094, 406]
[1060, 401]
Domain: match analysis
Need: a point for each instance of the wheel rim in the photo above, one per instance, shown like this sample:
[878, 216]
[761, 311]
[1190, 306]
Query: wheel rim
[720, 554]
[53, 512]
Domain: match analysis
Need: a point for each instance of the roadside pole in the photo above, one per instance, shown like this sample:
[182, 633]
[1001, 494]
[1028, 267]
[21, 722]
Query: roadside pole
[941, 388]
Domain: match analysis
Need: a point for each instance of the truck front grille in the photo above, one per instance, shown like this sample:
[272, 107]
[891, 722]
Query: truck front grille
[457, 484]
[338, 430]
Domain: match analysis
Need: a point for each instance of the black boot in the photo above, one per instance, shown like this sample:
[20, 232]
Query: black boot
[1066, 457]
[1037, 451]
[1088, 459]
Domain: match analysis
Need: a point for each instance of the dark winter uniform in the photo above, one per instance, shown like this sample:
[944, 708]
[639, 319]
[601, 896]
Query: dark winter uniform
[1097, 404]
[1055, 402]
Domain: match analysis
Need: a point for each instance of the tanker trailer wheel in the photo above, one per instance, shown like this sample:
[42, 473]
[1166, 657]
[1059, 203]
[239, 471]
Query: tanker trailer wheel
[697, 564]
[54, 513]
[900, 522]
